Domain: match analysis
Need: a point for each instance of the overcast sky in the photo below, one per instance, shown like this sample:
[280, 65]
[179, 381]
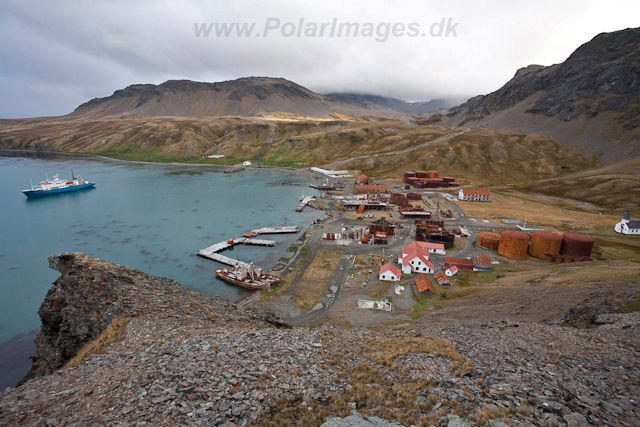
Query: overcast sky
[55, 55]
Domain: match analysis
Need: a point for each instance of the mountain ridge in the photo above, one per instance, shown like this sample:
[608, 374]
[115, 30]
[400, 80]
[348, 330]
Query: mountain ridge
[240, 97]
[592, 98]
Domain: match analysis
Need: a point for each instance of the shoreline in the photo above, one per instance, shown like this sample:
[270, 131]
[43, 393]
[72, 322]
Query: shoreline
[89, 155]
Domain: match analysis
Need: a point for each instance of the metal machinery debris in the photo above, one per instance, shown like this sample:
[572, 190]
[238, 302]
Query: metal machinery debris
[434, 231]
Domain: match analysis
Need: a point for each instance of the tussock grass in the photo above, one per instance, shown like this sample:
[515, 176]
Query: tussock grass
[385, 351]
[315, 279]
[113, 333]
[517, 205]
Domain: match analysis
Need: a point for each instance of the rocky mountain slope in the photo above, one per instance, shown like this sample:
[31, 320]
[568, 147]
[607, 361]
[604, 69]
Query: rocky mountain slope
[592, 99]
[381, 147]
[182, 358]
[375, 102]
[241, 97]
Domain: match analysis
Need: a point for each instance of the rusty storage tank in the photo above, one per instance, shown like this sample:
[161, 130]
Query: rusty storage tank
[408, 174]
[544, 242]
[488, 240]
[453, 184]
[575, 244]
[448, 178]
[513, 244]
[433, 174]
[443, 184]
[421, 174]
[413, 196]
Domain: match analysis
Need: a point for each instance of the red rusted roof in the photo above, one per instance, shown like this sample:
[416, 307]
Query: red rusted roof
[476, 192]
[362, 177]
[424, 284]
[372, 187]
[481, 259]
[392, 268]
[458, 261]
[442, 278]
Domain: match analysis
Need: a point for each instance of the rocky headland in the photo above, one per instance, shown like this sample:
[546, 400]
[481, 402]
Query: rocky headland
[121, 348]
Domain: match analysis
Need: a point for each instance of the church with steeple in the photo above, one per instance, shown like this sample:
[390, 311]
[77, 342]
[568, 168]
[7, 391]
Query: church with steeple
[626, 226]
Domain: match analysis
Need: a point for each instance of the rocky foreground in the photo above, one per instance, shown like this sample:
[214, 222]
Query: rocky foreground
[148, 352]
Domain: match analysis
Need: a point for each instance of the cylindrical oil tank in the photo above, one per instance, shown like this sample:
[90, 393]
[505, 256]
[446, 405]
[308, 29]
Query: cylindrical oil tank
[421, 174]
[488, 240]
[453, 184]
[432, 184]
[544, 242]
[575, 244]
[408, 174]
[443, 184]
[433, 174]
[447, 241]
[513, 244]
[448, 178]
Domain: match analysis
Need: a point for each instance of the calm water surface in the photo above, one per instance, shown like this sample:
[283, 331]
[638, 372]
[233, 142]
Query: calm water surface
[149, 217]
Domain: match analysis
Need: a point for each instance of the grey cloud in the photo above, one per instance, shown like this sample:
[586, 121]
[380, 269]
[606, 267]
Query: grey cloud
[56, 55]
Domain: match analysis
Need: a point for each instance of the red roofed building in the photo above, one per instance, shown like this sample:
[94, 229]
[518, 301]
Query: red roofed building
[474, 195]
[417, 261]
[424, 284]
[461, 263]
[481, 262]
[371, 188]
[363, 179]
[451, 271]
[390, 272]
[442, 279]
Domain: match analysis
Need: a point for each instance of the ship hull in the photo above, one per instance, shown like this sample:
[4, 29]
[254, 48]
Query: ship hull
[254, 286]
[40, 193]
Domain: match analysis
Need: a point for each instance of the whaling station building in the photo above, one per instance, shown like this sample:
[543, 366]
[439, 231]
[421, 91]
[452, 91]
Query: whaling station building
[474, 195]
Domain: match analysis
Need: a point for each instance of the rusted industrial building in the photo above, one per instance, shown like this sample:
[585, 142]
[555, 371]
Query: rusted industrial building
[481, 262]
[371, 188]
[474, 195]
[382, 226]
[461, 263]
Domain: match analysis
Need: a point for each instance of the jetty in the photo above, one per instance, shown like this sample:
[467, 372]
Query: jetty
[212, 252]
[304, 202]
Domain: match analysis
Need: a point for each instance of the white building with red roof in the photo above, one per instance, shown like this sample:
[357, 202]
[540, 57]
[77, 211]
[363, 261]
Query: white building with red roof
[452, 271]
[415, 258]
[390, 272]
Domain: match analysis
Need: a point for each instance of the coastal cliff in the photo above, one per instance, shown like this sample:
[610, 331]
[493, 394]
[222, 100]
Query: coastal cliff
[92, 296]
[120, 348]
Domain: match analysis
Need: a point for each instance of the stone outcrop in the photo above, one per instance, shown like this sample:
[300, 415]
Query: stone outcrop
[90, 294]
[190, 359]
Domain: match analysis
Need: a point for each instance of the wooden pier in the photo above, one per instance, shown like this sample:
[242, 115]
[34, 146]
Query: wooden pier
[211, 252]
[304, 202]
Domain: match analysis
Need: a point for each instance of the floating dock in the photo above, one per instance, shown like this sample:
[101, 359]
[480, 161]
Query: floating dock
[211, 252]
[304, 202]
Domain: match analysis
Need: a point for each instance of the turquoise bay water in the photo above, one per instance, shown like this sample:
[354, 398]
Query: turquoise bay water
[149, 217]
